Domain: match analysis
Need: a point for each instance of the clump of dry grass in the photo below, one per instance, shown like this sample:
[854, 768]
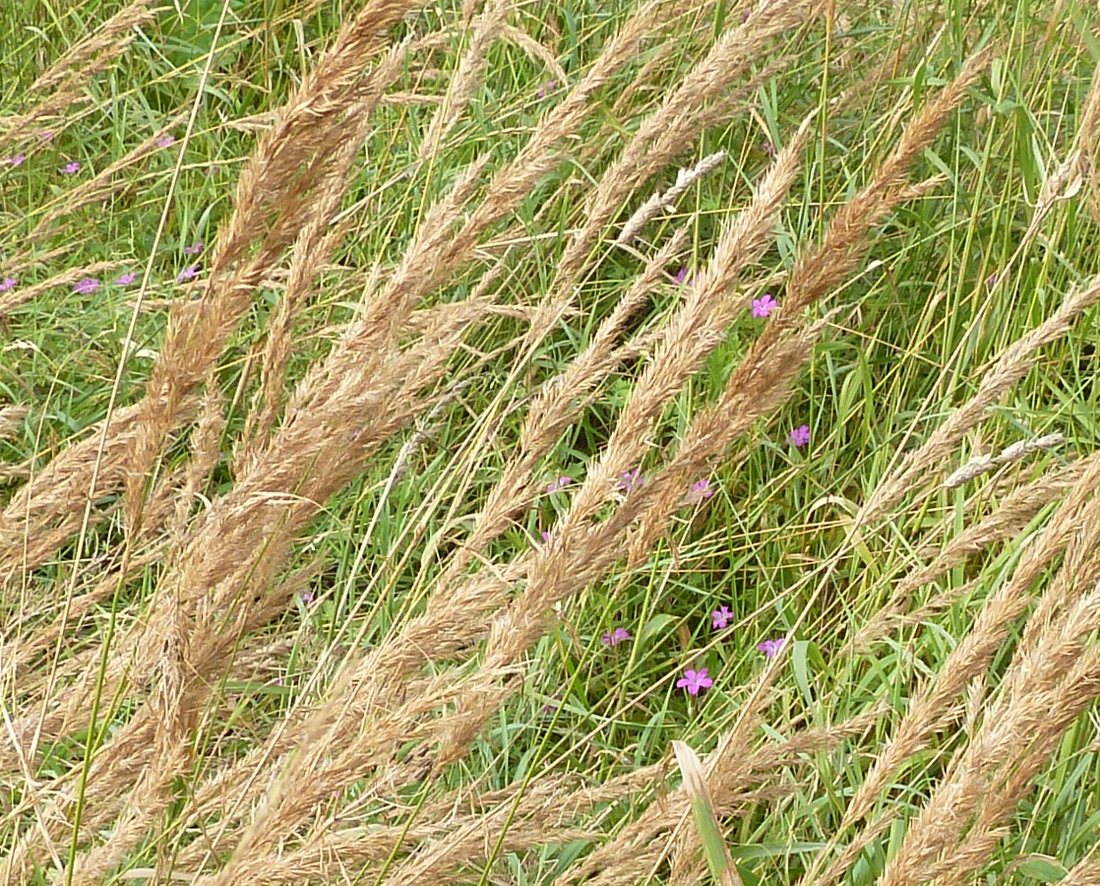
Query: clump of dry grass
[364, 769]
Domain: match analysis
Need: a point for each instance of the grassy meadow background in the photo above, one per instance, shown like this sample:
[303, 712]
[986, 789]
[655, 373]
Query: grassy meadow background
[520, 443]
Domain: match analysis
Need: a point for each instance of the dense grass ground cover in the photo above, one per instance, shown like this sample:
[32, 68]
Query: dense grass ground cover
[374, 510]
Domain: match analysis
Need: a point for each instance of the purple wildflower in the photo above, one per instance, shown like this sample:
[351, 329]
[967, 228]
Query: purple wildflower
[771, 648]
[762, 307]
[71, 168]
[16, 159]
[700, 490]
[86, 286]
[681, 275]
[306, 597]
[46, 135]
[694, 680]
[166, 141]
[720, 618]
[800, 436]
[194, 249]
[615, 637]
[126, 279]
[545, 536]
[547, 88]
[7, 283]
[555, 485]
[631, 480]
[187, 273]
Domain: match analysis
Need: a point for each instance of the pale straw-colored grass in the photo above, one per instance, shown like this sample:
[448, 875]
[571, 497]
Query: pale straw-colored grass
[188, 514]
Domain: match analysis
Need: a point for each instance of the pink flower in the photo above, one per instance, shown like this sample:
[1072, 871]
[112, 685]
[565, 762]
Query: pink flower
[194, 249]
[7, 283]
[800, 436]
[615, 637]
[126, 279]
[71, 168]
[188, 273]
[631, 480]
[762, 307]
[306, 597]
[46, 135]
[545, 536]
[771, 648]
[166, 141]
[681, 275]
[720, 618]
[86, 286]
[16, 159]
[693, 681]
[700, 490]
[547, 88]
[555, 485]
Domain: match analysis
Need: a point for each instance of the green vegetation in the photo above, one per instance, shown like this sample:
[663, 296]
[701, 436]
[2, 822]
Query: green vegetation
[414, 420]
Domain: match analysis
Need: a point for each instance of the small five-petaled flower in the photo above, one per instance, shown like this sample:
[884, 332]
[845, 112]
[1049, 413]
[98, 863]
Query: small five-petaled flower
[7, 283]
[71, 168]
[681, 276]
[700, 490]
[615, 637]
[193, 249]
[693, 681]
[763, 306]
[555, 485]
[187, 273]
[631, 480]
[126, 279]
[770, 648]
[800, 436]
[86, 286]
[721, 617]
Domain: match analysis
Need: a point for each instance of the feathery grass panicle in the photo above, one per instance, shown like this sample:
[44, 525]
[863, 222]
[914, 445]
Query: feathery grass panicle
[661, 137]
[933, 703]
[94, 52]
[489, 25]
[1083, 873]
[103, 184]
[64, 84]
[666, 200]
[1043, 692]
[195, 338]
[1010, 366]
[12, 300]
[1009, 518]
[11, 420]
